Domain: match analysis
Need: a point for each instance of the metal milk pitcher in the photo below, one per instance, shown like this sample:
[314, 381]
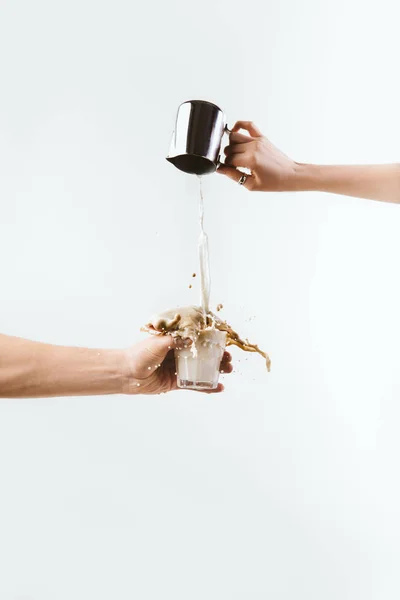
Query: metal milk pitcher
[197, 137]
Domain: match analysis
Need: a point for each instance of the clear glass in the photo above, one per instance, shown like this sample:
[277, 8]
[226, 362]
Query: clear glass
[198, 367]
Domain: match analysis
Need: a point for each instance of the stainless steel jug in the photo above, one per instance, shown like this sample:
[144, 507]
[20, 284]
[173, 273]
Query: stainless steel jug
[197, 137]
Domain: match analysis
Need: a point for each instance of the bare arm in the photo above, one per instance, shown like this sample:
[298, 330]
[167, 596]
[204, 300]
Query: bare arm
[373, 182]
[32, 369]
[272, 170]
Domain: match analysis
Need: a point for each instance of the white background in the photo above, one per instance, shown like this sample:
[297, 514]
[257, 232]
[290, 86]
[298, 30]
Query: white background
[285, 486]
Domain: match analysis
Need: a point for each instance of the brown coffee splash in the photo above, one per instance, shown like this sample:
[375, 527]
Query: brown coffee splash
[189, 321]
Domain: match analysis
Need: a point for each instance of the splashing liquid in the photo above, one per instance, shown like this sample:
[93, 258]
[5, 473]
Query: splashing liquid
[205, 279]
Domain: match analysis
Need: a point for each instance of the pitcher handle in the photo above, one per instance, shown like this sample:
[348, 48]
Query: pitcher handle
[228, 132]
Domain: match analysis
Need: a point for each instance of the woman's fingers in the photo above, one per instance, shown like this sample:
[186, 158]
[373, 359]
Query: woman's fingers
[239, 138]
[244, 160]
[226, 367]
[235, 149]
[247, 126]
[218, 390]
[230, 172]
[236, 175]
[227, 357]
[240, 148]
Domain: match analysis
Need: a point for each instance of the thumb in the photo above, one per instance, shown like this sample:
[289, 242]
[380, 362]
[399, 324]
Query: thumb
[230, 172]
[158, 346]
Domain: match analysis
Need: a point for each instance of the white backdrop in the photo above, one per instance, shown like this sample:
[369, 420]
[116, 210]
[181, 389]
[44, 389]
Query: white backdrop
[284, 487]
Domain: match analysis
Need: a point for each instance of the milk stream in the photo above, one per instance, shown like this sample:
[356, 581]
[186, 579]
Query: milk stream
[205, 279]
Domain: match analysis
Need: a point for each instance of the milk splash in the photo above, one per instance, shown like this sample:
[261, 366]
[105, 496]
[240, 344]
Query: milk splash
[205, 279]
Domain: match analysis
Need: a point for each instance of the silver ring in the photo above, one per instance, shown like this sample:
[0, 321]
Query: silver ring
[243, 179]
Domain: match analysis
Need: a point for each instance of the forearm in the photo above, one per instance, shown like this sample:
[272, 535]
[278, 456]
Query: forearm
[32, 369]
[374, 182]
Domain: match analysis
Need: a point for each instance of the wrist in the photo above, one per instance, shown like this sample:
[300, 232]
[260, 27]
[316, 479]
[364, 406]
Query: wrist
[130, 384]
[124, 361]
[295, 178]
[307, 178]
[113, 378]
[302, 177]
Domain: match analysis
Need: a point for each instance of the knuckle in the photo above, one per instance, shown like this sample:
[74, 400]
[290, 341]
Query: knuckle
[250, 183]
